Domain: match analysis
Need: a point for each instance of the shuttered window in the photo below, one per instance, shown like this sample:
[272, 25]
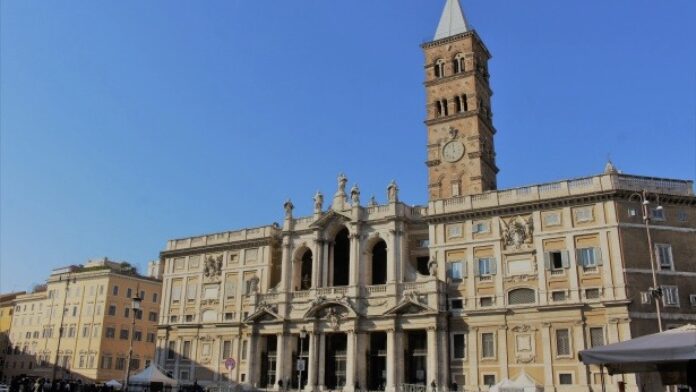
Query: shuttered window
[487, 345]
[596, 337]
[562, 342]
[521, 296]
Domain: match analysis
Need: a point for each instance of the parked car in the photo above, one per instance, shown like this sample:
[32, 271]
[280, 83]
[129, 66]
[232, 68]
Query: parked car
[4, 388]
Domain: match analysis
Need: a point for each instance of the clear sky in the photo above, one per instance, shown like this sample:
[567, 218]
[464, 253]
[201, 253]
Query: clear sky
[127, 123]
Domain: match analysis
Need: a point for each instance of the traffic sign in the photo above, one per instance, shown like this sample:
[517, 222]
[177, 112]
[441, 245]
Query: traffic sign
[230, 363]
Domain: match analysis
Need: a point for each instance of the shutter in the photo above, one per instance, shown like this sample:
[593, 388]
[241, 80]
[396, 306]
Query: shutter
[493, 266]
[579, 259]
[564, 259]
[476, 268]
[598, 256]
[547, 260]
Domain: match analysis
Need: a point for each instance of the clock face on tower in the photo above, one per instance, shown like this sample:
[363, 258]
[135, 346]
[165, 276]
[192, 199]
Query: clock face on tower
[453, 151]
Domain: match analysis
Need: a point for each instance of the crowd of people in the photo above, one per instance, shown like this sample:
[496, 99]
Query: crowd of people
[36, 384]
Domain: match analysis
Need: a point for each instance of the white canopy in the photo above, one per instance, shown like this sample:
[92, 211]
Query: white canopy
[646, 353]
[523, 383]
[152, 374]
[113, 383]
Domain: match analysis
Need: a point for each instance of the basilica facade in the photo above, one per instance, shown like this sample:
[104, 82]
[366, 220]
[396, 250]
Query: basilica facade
[477, 286]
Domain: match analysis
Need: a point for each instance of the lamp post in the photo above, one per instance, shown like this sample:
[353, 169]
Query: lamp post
[303, 335]
[656, 291]
[135, 307]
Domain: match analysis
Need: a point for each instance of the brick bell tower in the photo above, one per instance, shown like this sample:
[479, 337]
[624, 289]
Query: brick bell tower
[461, 153]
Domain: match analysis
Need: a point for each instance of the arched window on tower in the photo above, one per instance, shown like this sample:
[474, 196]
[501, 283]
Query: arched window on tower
[458, 104]
[379, 263]
[438, 109]
[465, 103]
[440, 68]
[458, 63]
[445, 108]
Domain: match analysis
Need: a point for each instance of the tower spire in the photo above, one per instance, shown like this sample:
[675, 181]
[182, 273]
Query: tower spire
[452, 21]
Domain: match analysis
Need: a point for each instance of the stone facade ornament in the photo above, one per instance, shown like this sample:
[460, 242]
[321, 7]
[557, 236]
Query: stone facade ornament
[393, 192]
[213, 267]
[318, 202]
[517, 232]
[340, 195]
[288, 206]
[432, 267]
[254, 284]
[355, 195]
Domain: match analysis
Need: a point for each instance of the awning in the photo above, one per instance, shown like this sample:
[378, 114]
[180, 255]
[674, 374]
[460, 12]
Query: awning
[646, 353]
[152, 374]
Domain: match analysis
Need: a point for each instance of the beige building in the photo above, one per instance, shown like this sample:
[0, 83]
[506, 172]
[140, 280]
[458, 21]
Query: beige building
[6, 312]
[92, 303]
[478, 286]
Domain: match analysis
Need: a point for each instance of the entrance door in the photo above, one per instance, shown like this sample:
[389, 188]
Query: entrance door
[335, 371]
[377, 367]
[416, 357]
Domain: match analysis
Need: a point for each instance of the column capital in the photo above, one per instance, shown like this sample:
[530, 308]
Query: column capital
[546, 324]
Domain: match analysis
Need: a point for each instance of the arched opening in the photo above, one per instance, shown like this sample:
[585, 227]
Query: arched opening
[438, 109]
[306, 271]
[341, 259]
[455, 65]
[458, 103]
[379, 263]
[445, 107]
[465, 104]
[439, 68]
[302, 270]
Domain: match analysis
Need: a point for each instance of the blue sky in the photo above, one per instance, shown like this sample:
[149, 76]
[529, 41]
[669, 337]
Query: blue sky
[124, 124]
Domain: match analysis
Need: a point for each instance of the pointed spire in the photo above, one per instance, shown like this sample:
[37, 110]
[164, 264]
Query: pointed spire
[452, 21]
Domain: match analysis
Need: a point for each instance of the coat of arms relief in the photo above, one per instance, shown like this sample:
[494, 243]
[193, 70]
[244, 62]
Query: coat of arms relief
[517, 232]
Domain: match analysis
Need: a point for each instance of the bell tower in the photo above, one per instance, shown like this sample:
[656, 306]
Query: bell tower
[460, 151]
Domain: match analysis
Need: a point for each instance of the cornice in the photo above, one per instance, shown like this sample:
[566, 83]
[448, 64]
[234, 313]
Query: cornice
[448, 40]
[471, 113]
[520, 208]
[219, 247]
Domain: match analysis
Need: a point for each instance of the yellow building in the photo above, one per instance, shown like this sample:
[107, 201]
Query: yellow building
[6, 311]
[80, 325]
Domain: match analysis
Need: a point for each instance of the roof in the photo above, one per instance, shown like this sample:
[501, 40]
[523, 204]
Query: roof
[452, 21]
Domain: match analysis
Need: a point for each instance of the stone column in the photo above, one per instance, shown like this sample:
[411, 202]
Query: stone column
[391, 360]
[573, 279]
[579, 334]
[193, 359]
[312, 363]
[503, 350]
[177, 356]
[353, 274]
[321, 356]
[607, 291]
[280, 359]
[433, 363]
[317, 258]
[473, 357]
[548, 357]
[252, 358]
[350, 361]
[217, 358]
[286, 266]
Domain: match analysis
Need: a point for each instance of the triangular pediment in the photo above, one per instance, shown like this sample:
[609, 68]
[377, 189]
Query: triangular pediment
[409, 305]
[329, 218]
[263, 315]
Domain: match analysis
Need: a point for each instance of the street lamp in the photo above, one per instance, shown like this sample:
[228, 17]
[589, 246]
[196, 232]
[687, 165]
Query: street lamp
[303, 335]
[135, 306]
[656, 291]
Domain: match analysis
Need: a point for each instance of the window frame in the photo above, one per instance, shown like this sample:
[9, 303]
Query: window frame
[674, 294]
[659, 247]
[453, 355]
[569, 335]
[493, 355]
